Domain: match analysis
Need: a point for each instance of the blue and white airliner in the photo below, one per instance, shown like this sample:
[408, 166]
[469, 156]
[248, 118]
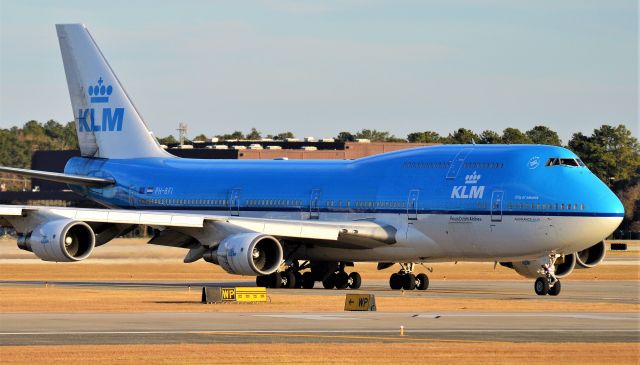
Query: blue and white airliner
[536, 209]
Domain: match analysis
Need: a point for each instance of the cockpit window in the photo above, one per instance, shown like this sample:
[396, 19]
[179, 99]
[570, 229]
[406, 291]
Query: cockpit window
[556, 161]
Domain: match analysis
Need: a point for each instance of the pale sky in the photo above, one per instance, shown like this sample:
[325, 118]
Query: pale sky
[318, 68]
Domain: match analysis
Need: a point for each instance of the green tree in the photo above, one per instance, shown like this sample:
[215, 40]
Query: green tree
[254, 135]
[514, 136]
[490, 137]
[612, 153]
[70, 136]
[284, 135]
[424, 137]
[543, 135]
[168, 140]
[53, 129]
[345, 137]
[200, 137]
[462, 136]
[33, 128]
[234, 135]
[377, 136]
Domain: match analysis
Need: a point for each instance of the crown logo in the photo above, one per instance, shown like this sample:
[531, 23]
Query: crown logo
[472, 178]
[100, 93]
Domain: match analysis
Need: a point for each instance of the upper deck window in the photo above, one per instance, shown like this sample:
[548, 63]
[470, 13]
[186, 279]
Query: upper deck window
[572, 162]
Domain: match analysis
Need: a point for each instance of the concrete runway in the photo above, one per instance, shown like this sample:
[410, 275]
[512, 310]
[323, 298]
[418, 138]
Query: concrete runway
[216, 327]
[179, 327]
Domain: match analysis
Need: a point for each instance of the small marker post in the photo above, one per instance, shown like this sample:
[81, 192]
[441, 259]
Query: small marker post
[401, 330]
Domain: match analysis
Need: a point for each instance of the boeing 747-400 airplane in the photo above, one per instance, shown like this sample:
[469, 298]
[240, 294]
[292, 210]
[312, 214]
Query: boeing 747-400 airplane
[536, 209]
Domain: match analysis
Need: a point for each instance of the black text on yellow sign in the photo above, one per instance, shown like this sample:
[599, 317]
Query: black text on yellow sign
[233, 294]
[360, 302]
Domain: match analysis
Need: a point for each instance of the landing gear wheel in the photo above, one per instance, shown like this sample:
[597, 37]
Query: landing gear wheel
[329, 282]
[409, 282]
[298, 277]
[555, 289]
[288, 280]
[541, 286]
[395, 281]
[275, 280]
[262, 281]
[423, 281]
[355, 280]
[342, 280]
[307, 280]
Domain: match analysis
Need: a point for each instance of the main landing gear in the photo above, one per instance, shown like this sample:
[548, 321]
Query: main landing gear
[289, 278]
[548, 283]
[341, 280]
[405, 279]
[334, 274]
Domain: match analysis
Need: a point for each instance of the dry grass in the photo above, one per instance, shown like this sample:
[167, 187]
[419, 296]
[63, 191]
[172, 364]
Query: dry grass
[61, 299]
[316, 353]
[202, 271]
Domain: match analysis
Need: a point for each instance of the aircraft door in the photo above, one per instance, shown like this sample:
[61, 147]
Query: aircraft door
[496, 205]
[234, 202]
[412, 205]
[314, 204]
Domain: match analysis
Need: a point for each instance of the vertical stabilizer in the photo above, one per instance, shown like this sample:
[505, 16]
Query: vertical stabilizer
[107, 122]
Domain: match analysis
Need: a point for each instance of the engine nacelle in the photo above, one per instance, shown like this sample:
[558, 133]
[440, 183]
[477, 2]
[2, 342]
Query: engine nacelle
[592, 256]
[529, 268]
[60, 240]
[247, 254]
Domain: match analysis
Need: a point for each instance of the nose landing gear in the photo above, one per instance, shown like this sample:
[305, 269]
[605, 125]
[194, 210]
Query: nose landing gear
[405, 279]
[548, 284]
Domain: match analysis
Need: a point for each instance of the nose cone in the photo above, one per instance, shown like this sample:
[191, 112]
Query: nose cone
[608, 203]
[611, 210]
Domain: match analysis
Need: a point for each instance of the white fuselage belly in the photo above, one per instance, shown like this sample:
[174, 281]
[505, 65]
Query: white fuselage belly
[449, 237]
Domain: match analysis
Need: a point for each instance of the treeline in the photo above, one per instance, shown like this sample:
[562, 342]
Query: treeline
[17, 144]
[611, 152]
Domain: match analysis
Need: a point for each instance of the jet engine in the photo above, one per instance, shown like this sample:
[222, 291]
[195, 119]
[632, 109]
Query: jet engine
[60, 240]
[529, 268]
[592, 256]
[247, 254]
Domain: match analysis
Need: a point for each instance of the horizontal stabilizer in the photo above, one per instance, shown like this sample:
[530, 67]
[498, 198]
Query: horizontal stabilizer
[59, 177]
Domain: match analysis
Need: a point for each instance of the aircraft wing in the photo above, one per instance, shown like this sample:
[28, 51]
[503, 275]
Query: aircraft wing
[362, 233]
[58, 177]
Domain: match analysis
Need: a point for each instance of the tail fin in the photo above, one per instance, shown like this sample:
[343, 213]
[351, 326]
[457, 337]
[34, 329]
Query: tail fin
[107, 122]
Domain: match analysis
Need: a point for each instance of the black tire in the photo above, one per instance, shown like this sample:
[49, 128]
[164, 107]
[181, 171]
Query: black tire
[307, 280]
[555, 289]
[299, 281]
[541, 286]
[395, 281]
[329, 282]
[355, 280]
[288, 280]
[423, 281]
[409, 282]
[262, 281]
[275, 280]
[342, 280]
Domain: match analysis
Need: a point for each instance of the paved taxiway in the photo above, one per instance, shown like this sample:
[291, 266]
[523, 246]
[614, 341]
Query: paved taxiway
[225, 327]
[178, 327]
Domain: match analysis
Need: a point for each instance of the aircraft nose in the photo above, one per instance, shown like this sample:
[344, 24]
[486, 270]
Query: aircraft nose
[612, 204]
